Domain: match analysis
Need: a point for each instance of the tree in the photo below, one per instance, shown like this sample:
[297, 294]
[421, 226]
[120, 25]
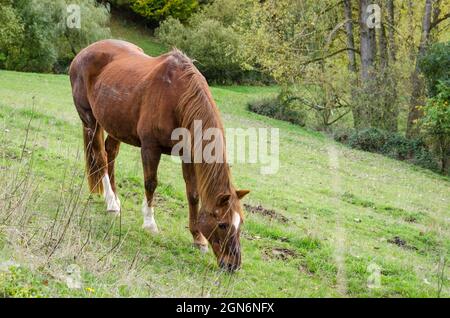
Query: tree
[350, 37]
[156, 11]
[436, 123]
[36, 37]
[431, 20]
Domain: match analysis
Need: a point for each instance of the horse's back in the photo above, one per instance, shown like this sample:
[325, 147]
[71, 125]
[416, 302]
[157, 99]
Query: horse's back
[115, 82]
[90, 61]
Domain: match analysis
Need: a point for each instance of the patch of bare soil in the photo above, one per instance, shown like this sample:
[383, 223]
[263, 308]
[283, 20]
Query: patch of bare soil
[397, 240]
[283, 254]
[272, 214]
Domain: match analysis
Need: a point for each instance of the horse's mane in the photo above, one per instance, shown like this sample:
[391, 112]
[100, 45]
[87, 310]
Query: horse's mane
[196, 103]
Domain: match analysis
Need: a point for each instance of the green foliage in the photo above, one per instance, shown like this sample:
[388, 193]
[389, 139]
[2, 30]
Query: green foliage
[159, 10]
[278, 108]
[37, 38]
[211, 39]
[435, 65]
[11, 29]
[224, 11]
[436, 123]
[281, 36]
[375, 102]
[211, 44]
[370, 139]
[18, 282]
[390, 144]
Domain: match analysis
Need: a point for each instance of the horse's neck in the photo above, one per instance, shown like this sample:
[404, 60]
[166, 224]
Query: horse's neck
[213, 179]
[196, 104]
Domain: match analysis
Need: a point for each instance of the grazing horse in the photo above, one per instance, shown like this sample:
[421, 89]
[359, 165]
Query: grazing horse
[141, 100]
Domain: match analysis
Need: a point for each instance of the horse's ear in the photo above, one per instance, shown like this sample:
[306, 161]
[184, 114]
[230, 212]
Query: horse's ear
[242, 193]
[223, 199]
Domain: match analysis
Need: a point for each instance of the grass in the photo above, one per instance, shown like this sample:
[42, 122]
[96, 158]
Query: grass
[344, 211]
[343, 217]
[127, 30]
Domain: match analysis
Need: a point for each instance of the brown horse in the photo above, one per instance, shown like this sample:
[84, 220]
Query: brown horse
[141, 100]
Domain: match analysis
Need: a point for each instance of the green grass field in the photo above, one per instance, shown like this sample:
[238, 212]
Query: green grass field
[350, 214]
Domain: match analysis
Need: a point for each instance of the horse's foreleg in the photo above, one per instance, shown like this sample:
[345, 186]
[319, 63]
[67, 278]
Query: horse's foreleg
[192, 197]
[112, 150]
[150, 160]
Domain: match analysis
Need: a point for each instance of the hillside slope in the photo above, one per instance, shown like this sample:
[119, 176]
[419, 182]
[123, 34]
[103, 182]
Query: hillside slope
[349, 216]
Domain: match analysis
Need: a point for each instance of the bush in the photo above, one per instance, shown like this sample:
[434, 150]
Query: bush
[39, 29]
[210, 38]
[11, 29]
[341, 135]
[435, 65]
[370, 139]
[392, 145]
[211, 44]
[275, 108]
[159, 10]
[436, 123]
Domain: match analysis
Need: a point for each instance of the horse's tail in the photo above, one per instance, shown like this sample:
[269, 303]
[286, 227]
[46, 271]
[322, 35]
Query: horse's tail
[95, 156]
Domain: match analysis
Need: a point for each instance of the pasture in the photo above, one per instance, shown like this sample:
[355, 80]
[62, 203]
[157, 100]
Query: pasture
[332, 222]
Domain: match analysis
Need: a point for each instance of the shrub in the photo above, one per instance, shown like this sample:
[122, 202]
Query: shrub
[435, 65]
[159, 10]
[11, 29]
[370, 139]
[211, 44]
[436, 123]
[210, 38]
[39, 29]
[392, 145]
[341, 135]
[275, 108]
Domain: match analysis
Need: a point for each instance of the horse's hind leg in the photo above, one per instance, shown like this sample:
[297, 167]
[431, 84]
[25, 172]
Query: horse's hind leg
[151, 155]
[193, 200]
[97, 165]
[97, 158]
[94, 145]
[112, 146]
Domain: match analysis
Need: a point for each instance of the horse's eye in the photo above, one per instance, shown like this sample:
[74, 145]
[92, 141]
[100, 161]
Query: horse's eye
[223, 226]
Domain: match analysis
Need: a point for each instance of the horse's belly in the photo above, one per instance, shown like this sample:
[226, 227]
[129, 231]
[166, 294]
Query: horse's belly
[116, 112]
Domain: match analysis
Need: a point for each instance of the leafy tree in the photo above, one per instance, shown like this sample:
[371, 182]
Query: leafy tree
[435, 65]
[11, 30]
[158, 10]
[37, 36]
[436, 123]
[210, 43]
[210, 39]
[294, 43]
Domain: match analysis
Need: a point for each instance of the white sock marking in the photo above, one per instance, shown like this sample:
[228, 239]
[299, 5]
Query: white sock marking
[149, 219]
[236, 220]
[112, 202]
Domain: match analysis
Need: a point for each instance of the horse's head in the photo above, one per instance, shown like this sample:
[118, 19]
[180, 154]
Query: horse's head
[222, 227]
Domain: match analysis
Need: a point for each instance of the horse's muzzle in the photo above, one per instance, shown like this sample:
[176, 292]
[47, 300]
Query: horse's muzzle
[229, 267]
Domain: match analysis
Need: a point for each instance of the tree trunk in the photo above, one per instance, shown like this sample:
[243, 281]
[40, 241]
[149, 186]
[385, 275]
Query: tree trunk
[435, 17]
[350, 36]
[418, 85]
[384, 57]
[367, 41]
[361, 113]
[388, 56]
[391, 30]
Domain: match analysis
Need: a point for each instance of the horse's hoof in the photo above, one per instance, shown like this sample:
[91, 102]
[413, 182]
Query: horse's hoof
[115, 213]
[113, 206]
[203, 248]
[151, 228]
